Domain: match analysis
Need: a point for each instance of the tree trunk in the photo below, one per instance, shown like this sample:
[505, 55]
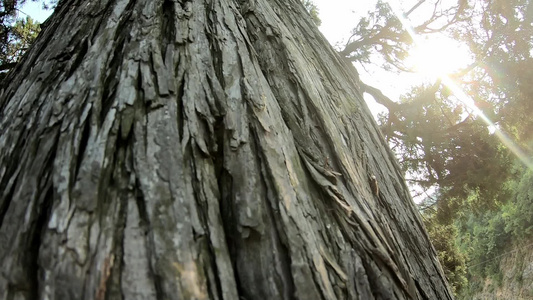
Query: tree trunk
[201, 149]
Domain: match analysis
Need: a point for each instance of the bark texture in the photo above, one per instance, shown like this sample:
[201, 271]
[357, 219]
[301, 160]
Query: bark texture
[201, 149]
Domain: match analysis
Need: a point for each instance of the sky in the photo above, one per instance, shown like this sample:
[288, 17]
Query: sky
[35, 11]
[339, 17]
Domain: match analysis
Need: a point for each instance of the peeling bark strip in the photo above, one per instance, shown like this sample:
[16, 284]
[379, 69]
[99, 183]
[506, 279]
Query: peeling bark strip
[202, 149]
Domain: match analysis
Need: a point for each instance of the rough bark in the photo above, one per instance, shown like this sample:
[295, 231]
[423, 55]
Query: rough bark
[173, 149]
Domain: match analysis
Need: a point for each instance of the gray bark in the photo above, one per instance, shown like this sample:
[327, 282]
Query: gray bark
[174, 149]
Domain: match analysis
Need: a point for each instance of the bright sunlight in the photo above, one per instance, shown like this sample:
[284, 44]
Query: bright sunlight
[437, 57]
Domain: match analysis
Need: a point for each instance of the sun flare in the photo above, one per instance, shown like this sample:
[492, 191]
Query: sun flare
[437, 57]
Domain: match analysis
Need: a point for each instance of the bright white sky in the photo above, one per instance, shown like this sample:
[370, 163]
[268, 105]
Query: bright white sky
[431, 58]
[35, 11]
[339, 17]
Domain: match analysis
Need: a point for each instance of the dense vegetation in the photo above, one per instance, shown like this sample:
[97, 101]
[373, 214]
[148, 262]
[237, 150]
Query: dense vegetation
[16, 33]
[479, 195]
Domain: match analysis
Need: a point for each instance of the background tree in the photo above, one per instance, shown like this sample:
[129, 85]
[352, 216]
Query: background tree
[21, 35]
[444, 238]
[199, 149]
[16, 34]
[312, 9]
[443, 145]
[428, 126]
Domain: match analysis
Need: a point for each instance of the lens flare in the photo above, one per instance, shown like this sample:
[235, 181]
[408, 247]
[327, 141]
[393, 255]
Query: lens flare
[437, 56]
[463, 98]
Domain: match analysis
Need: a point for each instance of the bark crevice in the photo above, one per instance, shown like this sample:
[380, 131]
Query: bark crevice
[34, 270]
[145, 229]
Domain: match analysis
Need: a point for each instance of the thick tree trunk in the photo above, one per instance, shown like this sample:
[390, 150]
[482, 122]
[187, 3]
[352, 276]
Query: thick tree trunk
[199, 149]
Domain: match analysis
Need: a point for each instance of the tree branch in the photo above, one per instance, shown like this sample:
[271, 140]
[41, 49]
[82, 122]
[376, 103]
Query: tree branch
[380, 97]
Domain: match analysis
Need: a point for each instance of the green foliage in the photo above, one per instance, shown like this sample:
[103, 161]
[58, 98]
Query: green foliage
[517, 214]
[487, 237]
[312, 9]
[23, 33]
[379, 33]
[439, 145]
[21, 36]
[499, 34]
[452, 259]
[484, 239]
[7, 16]
[16, 34]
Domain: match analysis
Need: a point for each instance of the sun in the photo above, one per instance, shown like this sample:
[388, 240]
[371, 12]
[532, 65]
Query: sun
[436, 57]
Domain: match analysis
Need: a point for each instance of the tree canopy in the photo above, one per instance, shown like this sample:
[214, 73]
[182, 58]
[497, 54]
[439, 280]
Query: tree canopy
[16, 33]
[439, 140]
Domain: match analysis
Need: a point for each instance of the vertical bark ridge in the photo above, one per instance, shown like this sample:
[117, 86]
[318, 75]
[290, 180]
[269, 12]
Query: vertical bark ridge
[195, 149]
